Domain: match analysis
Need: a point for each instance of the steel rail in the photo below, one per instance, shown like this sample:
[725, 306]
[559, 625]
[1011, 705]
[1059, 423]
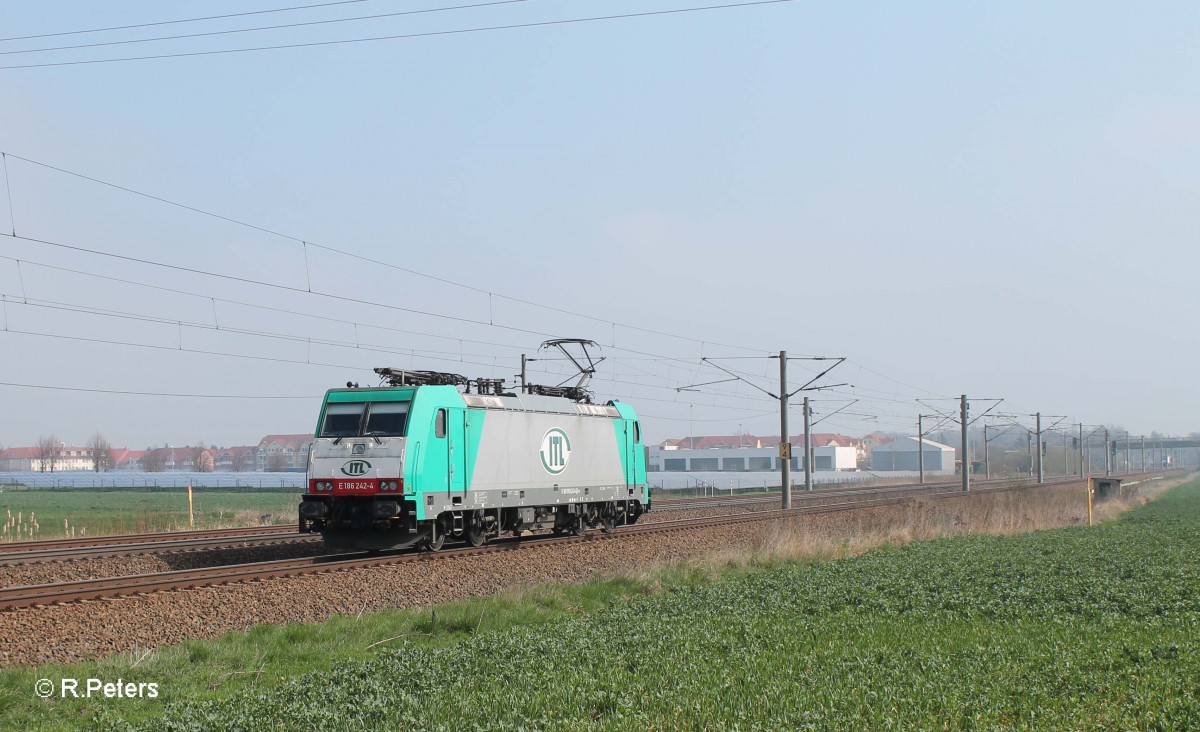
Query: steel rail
[163, 546]
[101, 540]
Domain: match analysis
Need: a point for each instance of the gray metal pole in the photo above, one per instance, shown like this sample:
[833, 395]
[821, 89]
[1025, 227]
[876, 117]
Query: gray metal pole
[1066, 454]
[1029, 451]
[1107, 454]
[987, 459]
[808, 468]
[1041, 471]
[1081, 449]
[920, 447]
[966, 448]
[785, 456]
[1143, 454]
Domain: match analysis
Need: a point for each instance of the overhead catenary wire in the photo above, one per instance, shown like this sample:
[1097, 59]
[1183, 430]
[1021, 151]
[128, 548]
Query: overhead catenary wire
[307, 242]
[215, 326]
[355, 324]
[203, 34]
[125, 392]
[187, 349]
[306, 291]
[442, 356]
[205, 18]
[404, 36]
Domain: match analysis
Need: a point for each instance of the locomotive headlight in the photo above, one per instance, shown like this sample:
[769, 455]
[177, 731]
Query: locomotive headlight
[385, 509]
[313, 509]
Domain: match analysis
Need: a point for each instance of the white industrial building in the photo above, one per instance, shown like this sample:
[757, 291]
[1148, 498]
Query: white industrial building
[745, 459]
[901, 454]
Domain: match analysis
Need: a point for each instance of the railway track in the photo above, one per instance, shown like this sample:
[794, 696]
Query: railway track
[32, 552]
[801, 495]
[93, 589]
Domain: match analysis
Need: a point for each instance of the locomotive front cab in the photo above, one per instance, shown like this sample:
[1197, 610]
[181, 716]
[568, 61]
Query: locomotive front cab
[356, 486]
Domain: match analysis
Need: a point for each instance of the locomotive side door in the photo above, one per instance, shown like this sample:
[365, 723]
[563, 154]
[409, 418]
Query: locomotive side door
[630, 448]
[456, 472]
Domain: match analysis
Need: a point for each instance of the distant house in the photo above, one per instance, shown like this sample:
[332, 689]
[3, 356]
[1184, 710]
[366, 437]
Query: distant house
[869, 443]
[283, 452]
[241, 459]
[17, 459]
[125, 459]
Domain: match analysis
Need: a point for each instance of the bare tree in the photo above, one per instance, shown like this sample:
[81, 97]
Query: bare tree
[276, 462]
[195, 455]
[155, 459]
[100, 452]
[48, 453]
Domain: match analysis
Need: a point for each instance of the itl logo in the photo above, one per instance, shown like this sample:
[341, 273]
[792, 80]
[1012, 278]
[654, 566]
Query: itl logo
[556, 451]
[355, 468]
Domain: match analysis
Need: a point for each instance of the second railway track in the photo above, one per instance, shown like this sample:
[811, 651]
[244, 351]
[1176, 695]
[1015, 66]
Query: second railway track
[33, 552]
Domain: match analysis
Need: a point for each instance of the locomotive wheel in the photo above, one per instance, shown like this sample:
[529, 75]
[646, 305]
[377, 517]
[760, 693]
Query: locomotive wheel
[575, 528]
[437, 537]
[473, 529]
[608, 519]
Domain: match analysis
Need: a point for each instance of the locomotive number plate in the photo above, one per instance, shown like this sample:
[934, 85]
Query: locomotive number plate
[354, 485]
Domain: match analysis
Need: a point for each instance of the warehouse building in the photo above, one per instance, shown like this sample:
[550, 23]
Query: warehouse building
[754, 455]
[901, 454]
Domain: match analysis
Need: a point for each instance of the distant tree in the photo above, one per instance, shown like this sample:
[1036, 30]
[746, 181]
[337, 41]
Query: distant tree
[243, 460]
[195, 455]
[48, 453]
[155, 459]
[100, 452]
[276, 462]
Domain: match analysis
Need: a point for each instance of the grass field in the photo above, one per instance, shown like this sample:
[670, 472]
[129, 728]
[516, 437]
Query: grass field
[33, 514]
[1080, 628]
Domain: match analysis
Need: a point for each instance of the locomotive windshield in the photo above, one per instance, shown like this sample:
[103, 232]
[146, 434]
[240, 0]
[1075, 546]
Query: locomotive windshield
[342, 420]
[365, 419]
[386, 419]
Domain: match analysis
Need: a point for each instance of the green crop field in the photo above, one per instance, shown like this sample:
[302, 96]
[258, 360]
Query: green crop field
[34, 514]
[1081, 628]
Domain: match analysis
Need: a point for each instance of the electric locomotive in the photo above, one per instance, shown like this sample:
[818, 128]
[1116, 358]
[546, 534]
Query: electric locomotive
[425, 457]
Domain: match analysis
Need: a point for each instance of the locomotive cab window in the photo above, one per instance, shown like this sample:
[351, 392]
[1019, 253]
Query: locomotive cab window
[342, 420]
[637, 433]
[439, 426]
[386, 419]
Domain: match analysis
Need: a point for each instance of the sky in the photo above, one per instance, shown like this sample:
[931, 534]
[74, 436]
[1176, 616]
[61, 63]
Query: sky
[998, 200]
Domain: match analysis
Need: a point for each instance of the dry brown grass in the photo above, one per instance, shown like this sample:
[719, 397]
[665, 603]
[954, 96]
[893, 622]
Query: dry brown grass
[1023, 509]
